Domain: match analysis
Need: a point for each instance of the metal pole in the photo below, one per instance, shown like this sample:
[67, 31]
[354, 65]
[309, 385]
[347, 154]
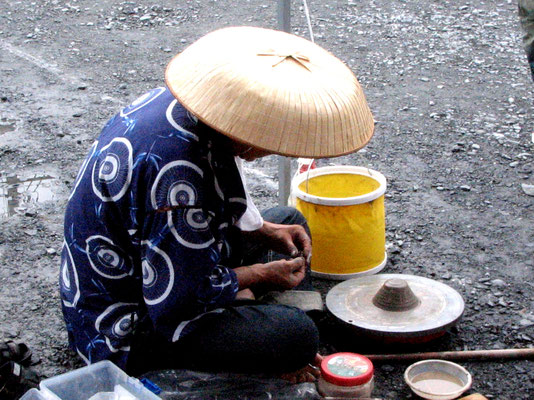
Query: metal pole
[284, 163]
[284, 15]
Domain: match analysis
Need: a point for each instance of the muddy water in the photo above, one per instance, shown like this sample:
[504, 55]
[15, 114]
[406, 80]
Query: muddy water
[20, 192]
[6, 126]
[437, 382]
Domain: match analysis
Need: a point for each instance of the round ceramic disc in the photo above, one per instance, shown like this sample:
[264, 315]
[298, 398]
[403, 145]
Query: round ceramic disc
[440, 306]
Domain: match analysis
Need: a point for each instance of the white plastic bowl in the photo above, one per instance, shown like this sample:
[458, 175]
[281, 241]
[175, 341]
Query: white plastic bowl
[423, 376]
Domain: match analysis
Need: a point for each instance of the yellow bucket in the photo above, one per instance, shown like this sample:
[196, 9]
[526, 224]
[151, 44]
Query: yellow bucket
[344, 206]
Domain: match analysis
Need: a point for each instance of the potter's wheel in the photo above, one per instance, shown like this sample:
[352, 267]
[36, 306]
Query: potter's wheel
[396, 307]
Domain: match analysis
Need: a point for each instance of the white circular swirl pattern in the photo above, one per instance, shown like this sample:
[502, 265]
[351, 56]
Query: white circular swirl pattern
[170, 118]
[107, 259]
[142, 101]
[190, 228]
[158, 274]
[112, 170]
[175, 185]
[81, 172]
[116, 323]
[195, 219]
[175, 189]
[68, 279]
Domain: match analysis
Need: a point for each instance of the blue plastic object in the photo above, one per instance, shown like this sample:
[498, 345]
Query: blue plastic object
[150, 385]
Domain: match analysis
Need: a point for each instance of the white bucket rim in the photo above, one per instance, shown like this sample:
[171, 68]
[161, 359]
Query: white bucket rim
[339, 201]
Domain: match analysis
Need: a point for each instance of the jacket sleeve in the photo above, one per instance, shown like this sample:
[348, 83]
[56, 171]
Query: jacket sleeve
[180, 255]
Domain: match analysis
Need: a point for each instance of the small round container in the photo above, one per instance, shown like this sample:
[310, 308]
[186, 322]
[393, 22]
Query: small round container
[437, 379]
[346, 375]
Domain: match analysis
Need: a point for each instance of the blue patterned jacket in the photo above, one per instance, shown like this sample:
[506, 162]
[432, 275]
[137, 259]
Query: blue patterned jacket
[148, 228]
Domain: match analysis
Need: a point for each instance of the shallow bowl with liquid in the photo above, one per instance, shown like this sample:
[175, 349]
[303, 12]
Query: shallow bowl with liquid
[437, 379]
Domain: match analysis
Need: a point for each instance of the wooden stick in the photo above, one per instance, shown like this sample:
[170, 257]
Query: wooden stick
[474, 355]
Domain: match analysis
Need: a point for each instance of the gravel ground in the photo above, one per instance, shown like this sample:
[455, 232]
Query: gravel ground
[449, 87]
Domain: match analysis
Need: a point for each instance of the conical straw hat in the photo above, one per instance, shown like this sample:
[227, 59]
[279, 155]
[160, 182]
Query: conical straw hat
[272, 90]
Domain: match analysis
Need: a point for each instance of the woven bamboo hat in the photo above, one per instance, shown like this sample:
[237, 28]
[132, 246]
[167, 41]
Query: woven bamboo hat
[272, 90]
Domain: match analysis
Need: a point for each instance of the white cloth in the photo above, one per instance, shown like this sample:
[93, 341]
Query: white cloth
[251, 220]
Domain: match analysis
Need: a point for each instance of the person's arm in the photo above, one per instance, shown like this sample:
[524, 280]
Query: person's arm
[180, 255]
[280, 274]
[182, 277]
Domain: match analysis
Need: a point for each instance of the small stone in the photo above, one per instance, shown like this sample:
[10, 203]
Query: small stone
[514, 164]
[498, 283]
[387, 368]
[395, 250]
[528, 189]
[12, 334]
[77, 114]
[183, 41]
[50, 251]
[30, 232]
[145, 17]
[465, 188]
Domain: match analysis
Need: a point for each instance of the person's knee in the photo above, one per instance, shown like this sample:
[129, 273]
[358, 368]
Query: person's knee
[284, 215]
[299, 340]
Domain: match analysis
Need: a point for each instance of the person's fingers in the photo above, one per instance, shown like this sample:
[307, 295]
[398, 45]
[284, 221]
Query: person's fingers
[318, 360]
[298, 271]
[296, 264]
[307, 376]
[305, 242]
[301, 376]
[314, 371]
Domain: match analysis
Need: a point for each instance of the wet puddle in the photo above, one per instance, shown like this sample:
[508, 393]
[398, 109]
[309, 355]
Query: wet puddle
[19, 193]
[6, 125]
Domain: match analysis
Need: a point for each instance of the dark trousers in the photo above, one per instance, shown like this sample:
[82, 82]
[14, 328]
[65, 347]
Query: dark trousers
[246, 337]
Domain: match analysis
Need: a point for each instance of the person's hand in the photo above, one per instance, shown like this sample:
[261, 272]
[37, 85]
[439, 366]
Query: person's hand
[288, 239]
[282, 274]
[245, 294]
[275, 275]
[310, 373]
